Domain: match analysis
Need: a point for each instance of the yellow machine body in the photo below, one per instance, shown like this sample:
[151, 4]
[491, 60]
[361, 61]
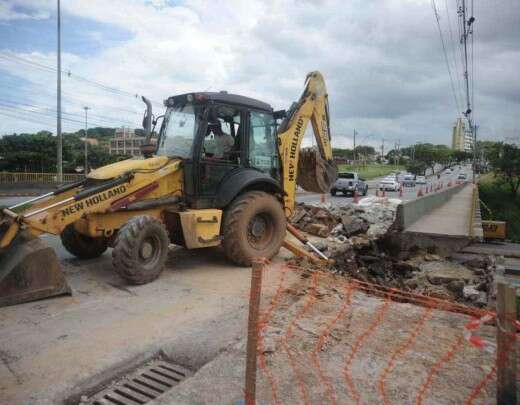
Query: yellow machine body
[148, 197]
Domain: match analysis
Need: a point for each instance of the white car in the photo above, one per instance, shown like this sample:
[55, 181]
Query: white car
[420, 180]
[389, 185]
[447, 171]
[408, 181]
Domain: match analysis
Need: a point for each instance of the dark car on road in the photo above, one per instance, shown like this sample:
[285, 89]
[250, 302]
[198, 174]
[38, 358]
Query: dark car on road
[349, 182]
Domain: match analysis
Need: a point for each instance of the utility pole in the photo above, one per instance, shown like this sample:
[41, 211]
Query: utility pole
[86, 141]
[467, 29]
[382, 149]
[354, 150]
[397, 146]
[58, 123]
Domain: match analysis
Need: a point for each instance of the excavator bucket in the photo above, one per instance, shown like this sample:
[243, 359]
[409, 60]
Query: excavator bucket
[315, 174]
[29, 271]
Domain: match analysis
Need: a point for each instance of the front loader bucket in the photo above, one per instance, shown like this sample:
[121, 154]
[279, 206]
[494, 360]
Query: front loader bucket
[29, 271]
[315, 174]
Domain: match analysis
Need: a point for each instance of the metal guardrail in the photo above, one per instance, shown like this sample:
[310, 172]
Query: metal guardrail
[47, 178]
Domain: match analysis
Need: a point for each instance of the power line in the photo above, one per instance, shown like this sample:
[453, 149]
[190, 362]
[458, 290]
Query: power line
[457, 106]
[12, 114]
[97, 117]
[51, 113]
[69, 99]
[472, 63]
[455, 47]
[69, 74]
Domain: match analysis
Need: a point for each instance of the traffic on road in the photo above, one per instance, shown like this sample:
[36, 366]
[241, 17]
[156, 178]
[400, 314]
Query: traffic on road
[399, 185]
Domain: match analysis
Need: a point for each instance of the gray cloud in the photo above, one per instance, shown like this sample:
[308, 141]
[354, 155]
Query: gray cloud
[382, 59]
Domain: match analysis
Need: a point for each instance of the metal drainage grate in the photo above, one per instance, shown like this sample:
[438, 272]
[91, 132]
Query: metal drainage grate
[147, 383]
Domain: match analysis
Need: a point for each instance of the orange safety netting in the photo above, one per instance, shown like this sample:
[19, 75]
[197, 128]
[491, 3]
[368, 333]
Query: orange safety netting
[326, 339]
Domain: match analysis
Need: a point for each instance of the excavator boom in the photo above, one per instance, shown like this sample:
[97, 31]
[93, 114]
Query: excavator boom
[313, 169]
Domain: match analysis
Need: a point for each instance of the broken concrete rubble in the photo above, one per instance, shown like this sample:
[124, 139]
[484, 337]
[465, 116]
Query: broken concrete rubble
[372, 216]
[357, 237]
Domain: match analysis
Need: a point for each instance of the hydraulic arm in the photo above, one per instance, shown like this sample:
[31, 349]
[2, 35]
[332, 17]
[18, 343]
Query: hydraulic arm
[311, 168]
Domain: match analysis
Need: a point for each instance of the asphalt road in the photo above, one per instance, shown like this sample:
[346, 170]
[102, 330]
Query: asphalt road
[55, 347]
[409, 193]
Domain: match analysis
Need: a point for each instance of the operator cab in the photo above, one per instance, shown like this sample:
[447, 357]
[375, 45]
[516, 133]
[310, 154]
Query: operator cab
[226, 141]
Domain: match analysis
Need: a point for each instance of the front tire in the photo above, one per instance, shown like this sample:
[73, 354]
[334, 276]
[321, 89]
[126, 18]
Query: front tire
[140, 250]
[254, 227]
[82, 246]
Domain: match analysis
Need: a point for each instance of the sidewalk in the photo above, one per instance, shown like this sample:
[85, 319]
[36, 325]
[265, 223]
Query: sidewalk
[450, 219]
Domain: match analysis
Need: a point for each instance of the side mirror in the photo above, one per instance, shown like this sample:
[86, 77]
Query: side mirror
[148, 149]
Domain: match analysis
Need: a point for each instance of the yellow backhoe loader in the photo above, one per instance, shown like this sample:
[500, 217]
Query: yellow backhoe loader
[222, 171]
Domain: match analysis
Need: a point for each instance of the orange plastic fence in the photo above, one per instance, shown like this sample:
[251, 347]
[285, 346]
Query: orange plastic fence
[343, 341]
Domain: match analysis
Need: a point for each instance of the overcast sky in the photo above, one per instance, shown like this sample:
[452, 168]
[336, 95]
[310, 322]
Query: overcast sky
[382, 60]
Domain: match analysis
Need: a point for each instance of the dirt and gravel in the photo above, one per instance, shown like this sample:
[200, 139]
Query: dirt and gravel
[360, 239]
[325, 341]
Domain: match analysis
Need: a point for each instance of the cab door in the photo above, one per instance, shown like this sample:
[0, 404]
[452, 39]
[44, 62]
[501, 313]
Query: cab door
[262, 147]
[213, 168]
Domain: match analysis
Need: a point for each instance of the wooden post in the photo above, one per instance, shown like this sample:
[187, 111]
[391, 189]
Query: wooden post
[252, 332]
[506, 343]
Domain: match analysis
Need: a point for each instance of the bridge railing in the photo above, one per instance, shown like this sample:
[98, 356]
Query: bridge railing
[34, 178]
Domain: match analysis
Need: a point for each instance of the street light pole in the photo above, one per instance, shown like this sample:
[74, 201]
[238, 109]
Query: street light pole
[86, 140]
[58, 107]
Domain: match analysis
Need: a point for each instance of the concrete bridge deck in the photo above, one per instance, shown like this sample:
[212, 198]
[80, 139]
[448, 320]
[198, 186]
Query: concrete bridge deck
[445, 221]
[452, 218]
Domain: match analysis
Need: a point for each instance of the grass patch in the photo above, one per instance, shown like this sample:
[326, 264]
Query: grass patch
[370, 171]
[500, 205]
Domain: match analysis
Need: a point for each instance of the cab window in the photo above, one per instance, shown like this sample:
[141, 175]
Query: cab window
[263, 152]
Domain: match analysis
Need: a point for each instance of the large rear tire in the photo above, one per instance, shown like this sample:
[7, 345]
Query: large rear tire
[82, 246]
[254, 227]
[140, 250]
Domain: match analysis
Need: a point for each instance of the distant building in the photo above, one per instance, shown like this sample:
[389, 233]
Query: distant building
[341, 160]
[126, 142]
[91, 141]
[461, 138]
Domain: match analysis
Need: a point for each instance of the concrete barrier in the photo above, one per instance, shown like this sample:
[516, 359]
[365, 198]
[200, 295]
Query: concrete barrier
[410, 211]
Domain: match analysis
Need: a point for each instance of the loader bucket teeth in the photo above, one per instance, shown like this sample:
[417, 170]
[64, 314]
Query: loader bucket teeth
[30, 271]
[315, 174]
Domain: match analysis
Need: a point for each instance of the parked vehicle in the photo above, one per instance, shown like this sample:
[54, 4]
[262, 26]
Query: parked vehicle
[420, 180]
[408, 181]
[462, 176]
[348, 183]
[448, 171]
[388, 184]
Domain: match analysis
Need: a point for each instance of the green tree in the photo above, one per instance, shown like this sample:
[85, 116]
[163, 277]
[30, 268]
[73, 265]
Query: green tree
[37, 152]
[365, 150]
[505, 159]
[425, 153]
[416, 167]
[344, 153]
[460, 156]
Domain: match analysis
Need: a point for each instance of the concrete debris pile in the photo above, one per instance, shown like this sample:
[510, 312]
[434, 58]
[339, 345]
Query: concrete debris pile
[427, 274]
[372, 217]
[356, 236]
